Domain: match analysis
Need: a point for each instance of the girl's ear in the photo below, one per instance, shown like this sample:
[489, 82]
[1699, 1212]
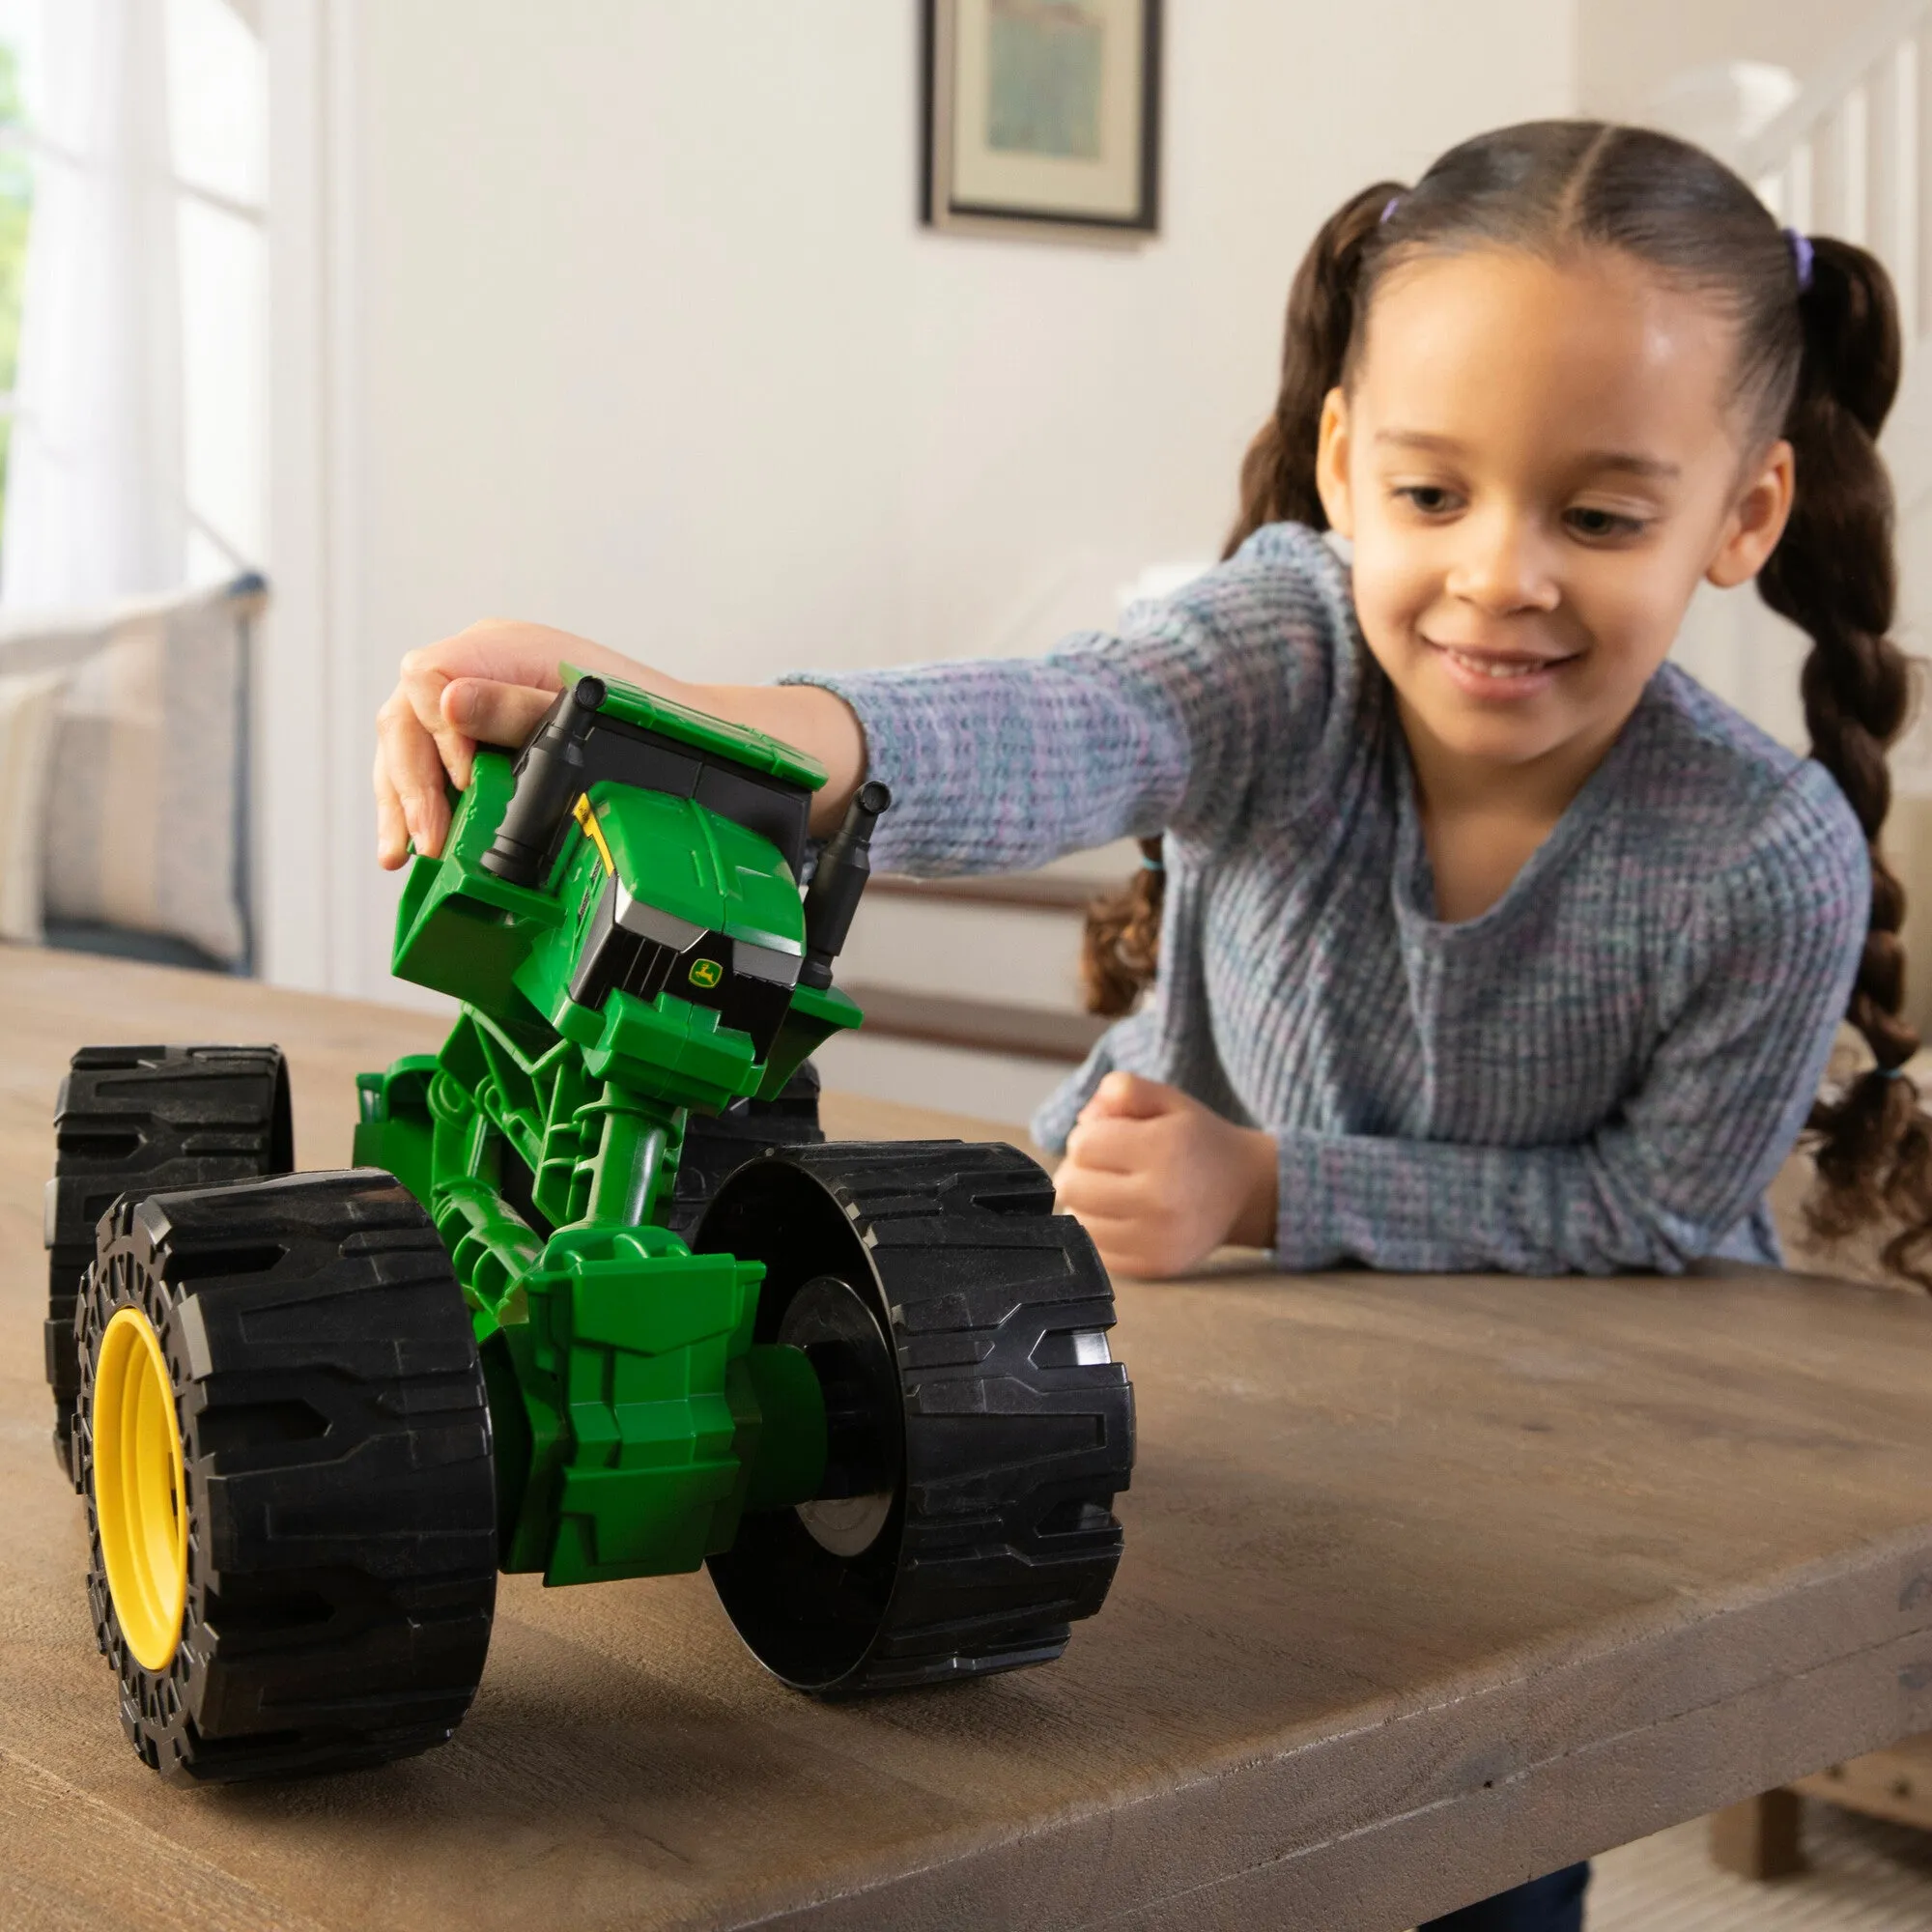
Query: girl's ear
[1756, 521]
[1331, 465]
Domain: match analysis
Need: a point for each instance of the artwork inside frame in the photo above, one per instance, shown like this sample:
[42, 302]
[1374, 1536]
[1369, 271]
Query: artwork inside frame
[1041, 117]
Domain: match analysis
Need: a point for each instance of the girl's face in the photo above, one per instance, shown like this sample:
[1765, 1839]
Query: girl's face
[1537, 463]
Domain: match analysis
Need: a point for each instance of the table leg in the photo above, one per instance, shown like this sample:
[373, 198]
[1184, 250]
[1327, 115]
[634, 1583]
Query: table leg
[1758, 1839]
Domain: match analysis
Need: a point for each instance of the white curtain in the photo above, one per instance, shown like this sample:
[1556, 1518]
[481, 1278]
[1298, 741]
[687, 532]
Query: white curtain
[95, 504]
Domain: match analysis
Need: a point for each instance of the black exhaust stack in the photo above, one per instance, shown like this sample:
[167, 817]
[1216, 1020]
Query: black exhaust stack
[833, 897]
[549, 775]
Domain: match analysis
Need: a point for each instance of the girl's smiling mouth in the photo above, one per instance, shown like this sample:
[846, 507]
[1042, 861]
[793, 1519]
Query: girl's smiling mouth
[1499, 674]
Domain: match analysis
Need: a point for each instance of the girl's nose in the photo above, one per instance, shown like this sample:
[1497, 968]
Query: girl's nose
[1502, 566]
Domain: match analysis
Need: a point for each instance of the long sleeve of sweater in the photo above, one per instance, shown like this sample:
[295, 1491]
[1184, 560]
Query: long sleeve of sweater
[997, 765]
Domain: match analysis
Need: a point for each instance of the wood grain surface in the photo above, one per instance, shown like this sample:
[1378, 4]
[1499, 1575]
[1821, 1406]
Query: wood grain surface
[1430, 1584]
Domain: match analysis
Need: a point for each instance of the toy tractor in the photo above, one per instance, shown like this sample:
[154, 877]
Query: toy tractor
[597, 1301]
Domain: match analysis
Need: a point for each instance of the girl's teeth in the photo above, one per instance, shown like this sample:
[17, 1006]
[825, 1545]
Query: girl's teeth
[1494, 667]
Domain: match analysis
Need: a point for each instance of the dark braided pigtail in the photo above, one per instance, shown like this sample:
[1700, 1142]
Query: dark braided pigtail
[1833, 576]
[1121, 947]
[1278, 471]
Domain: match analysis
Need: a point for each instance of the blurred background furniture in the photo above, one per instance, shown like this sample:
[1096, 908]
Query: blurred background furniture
[124, 776]
[1761, 1839]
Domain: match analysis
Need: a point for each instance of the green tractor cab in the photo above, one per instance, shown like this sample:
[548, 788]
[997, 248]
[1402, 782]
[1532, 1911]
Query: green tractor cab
[597, 1301]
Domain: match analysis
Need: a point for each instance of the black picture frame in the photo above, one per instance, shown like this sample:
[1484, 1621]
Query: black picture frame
[948, 205]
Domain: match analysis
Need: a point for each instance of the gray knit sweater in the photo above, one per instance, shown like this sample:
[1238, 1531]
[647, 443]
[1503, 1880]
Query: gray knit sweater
[1601, 1072]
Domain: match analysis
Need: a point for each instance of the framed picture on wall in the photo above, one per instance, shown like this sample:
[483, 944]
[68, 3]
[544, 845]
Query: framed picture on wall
[1041, 117]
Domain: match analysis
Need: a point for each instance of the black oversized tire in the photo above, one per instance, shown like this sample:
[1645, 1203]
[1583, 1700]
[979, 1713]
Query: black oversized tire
[138, 1120]
[336, 1480]
[1014, 1431]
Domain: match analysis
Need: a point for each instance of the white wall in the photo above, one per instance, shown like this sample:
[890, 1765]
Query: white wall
[1627, 48]
[615, 313]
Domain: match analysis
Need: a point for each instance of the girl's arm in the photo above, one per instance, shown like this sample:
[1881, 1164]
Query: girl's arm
[999, 765]
[995, 764]
[1208, 706]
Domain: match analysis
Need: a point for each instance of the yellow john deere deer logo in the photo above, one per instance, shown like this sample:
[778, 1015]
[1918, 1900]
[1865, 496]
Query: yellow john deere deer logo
[705, 973]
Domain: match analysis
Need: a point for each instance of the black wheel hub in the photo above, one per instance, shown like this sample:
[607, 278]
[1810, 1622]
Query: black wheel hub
[864, 1460]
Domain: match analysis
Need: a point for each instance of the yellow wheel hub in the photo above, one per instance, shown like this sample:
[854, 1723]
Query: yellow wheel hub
[137, 1489]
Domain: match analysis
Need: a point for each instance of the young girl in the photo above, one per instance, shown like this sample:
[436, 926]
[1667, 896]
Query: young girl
[1486, 939]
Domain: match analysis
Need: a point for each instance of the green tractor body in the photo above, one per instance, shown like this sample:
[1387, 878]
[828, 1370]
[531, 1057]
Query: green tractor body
[653, 968]
[596, 1289]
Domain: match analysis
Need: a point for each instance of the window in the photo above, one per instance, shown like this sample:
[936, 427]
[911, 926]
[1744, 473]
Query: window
[16, 201]
[132, 144]
[218, 115]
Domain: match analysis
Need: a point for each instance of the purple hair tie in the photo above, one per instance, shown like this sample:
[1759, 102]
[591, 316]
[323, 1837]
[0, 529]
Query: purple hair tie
[1800, 257]
[1390, 205]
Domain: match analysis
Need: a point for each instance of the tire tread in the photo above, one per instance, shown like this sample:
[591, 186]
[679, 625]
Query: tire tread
[197, 1116]
[341, 1578]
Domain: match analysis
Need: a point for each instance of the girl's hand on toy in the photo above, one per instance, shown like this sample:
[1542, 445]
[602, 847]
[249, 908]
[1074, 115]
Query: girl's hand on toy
[487, 685]
[1159, 1181]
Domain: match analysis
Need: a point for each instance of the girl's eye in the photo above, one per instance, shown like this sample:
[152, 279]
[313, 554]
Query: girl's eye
[1433, 499]
[1599, 524]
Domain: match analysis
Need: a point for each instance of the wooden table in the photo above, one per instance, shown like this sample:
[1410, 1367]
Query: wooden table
[1430, 1584]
